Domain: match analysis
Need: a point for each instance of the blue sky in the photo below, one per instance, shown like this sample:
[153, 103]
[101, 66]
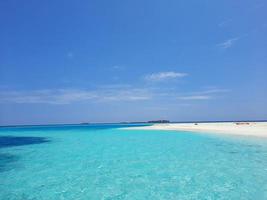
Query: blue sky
[109, 61]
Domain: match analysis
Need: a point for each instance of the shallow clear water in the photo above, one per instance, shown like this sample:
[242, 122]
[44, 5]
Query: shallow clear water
[104, 162]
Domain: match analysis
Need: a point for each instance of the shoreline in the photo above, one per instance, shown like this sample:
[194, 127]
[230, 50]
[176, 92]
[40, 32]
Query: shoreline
[257, 129]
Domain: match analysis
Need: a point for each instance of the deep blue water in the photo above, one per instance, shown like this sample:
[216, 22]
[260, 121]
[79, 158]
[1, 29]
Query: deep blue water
[105, 162]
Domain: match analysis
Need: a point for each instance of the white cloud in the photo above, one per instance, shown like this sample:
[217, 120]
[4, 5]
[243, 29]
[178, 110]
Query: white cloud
[117, 67]
[202, 95]
[106, 93]
[115, 86]
[161, 76]
[129, 94]
[224, 23]
[213, 91]
[228, 43]
[195, 97]
[59, 96]
[70, 55]
[67, 96]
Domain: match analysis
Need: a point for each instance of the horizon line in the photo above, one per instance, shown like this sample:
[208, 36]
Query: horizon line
[133, 122]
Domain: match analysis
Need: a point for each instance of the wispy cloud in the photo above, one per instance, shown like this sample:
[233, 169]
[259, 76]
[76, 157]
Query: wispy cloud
[224, 23]
[115, 86]
[228, 43]
[195, 97]
[70, 55]
[59, 96]
[161, 76]
[117, 67]
[213, 91]
[67, 96]
[106, 94]
[202, 95]
[125, 94]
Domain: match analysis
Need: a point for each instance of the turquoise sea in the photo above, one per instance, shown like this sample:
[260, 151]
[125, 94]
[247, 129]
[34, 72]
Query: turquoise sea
[91, 162]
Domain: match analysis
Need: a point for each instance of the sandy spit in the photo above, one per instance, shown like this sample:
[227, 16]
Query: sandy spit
[258, 129]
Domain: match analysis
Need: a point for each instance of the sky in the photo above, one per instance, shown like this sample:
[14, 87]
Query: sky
[111, 61]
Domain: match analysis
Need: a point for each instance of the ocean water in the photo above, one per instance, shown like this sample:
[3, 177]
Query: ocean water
[92, 162]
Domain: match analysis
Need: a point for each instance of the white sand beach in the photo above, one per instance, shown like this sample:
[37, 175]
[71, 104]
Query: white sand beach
[258, 129]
